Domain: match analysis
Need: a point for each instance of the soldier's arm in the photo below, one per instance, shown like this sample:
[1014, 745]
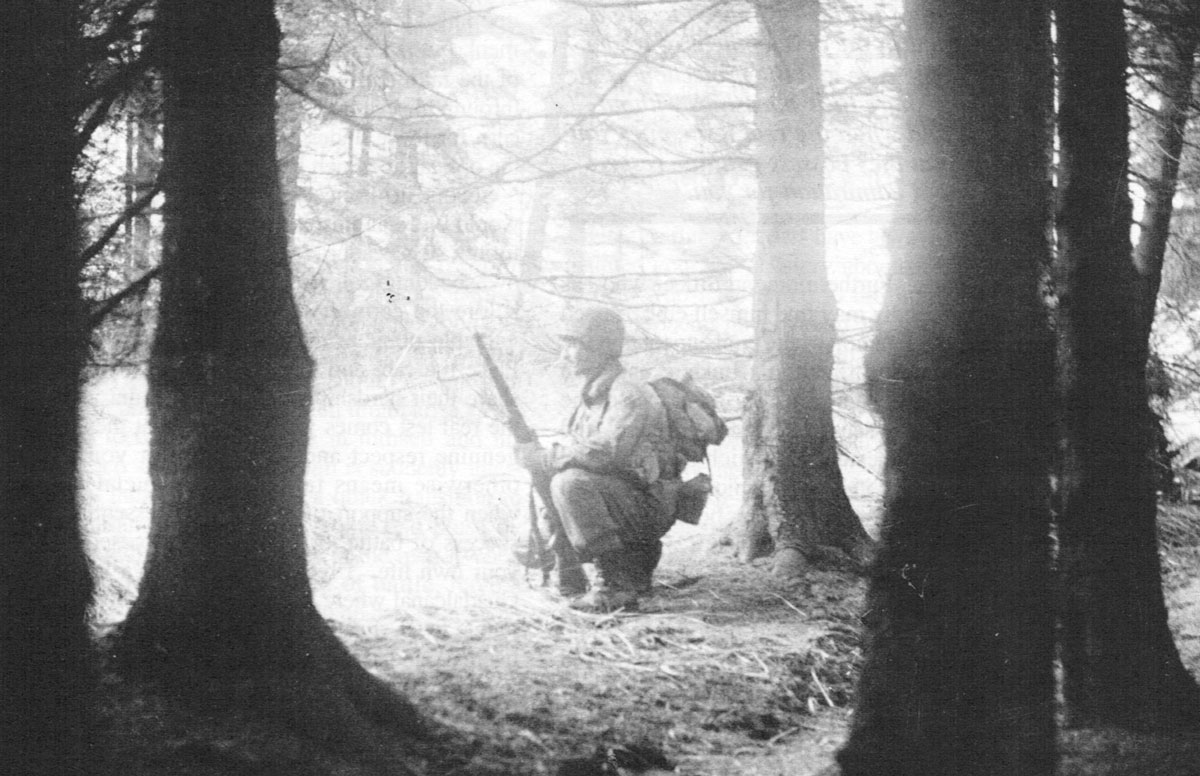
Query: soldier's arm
[616, 446]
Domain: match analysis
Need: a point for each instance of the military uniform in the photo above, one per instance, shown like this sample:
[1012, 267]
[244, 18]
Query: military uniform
[607, 473]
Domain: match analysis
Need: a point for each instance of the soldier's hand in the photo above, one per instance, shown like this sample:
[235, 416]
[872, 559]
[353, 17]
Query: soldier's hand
[530, 456]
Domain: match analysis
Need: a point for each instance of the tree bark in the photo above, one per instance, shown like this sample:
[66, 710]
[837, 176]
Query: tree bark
[958, 679]
[47, 679]
[794, 502]
[225, 609]
[1120, 664]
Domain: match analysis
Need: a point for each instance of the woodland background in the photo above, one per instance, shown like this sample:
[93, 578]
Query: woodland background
[251, 241]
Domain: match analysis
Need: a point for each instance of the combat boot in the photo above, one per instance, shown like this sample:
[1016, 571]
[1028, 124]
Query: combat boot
[644, 559]
[569, 579]
[566, 571]
[613, 586]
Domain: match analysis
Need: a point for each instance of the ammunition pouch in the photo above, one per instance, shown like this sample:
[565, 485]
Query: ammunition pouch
[683, 500]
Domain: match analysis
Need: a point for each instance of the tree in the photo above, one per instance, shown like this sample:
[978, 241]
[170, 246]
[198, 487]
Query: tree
[1120, 664]
[46, 676]
[793, 499]
[959, 639]
[1174, 32]
[225, 607]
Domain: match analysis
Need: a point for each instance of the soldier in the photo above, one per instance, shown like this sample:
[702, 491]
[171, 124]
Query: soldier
[604, 475]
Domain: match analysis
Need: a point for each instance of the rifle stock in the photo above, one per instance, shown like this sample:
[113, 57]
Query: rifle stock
[521, 431]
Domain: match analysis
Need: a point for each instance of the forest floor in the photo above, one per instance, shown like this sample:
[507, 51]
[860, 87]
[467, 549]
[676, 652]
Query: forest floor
[409, 523]
[723, 669]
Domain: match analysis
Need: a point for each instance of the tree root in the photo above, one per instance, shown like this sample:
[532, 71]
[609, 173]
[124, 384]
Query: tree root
[791, 563]
[1174, 709]
[330, 717]
[346, 710]
[314, 689]
[749, 542]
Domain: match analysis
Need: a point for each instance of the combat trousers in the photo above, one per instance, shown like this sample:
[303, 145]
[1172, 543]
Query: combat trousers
[604, 513]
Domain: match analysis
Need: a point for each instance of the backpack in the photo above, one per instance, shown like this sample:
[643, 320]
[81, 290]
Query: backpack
[692, 420]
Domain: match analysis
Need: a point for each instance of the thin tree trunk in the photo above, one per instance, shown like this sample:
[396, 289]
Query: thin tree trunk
[1179, 38]
[225, 608]
[552, 105]
[1120, 664]
[794, 502]
[959, 643]
[142, 178]
[291, 136]
[47, 681]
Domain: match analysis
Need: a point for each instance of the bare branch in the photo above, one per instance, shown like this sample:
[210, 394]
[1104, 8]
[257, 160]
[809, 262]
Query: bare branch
[134, 209]
[103, 309]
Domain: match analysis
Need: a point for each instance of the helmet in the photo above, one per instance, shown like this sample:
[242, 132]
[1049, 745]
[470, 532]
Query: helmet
[597, 328]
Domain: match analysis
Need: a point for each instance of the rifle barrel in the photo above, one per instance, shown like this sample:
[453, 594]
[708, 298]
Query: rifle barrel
[516, 421]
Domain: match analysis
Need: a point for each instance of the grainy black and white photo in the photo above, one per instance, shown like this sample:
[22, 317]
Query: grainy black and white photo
[600, 388]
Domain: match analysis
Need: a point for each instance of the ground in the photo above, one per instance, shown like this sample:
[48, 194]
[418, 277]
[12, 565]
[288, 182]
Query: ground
[410, 523]
[723, 669]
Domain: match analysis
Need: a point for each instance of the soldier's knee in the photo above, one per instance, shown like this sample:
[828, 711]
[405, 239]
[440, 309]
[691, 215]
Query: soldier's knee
[568, 484]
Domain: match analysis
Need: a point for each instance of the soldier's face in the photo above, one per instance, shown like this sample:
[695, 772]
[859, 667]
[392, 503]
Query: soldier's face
[584, 361]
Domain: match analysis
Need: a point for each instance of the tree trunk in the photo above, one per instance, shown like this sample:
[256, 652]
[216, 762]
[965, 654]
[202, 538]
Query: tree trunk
[958, 675]
[141, 174]
[794, 501]
[225, 609]
[1178, 38]
[553, 104]
[290, 117]
[1120, 664]
[46, 677]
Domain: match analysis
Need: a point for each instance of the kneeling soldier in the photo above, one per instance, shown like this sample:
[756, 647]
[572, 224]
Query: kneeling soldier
[603, 475]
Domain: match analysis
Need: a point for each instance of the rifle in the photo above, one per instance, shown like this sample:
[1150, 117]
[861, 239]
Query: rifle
[539, 555]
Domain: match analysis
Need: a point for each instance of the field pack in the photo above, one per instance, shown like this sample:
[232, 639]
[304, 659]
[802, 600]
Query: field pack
[692, 417]
[693, 424]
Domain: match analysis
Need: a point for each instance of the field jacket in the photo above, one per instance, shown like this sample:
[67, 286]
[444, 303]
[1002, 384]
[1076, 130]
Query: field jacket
[619, 428]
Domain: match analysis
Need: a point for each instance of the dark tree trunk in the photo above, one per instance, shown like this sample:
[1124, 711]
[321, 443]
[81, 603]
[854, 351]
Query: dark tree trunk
[225, 603]
[46, 677]
[958, 675]
[794, 502]
[1120, 665]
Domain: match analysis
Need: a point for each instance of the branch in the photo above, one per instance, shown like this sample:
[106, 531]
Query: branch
[107, 92]
[624, 3]
[134, 209]
[616, 83]
[117, 25]
[610, 113]
[327, 107]
[101, 310]
[665, 167]
[97, 98]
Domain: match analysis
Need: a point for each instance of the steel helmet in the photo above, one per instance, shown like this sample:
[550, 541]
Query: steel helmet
[597, 328]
